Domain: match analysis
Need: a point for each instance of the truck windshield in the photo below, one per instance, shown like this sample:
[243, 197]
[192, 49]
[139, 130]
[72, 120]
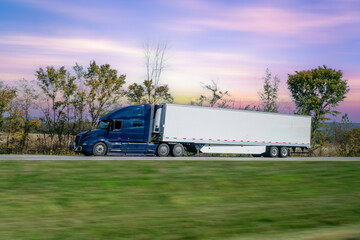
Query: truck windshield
[103, 124]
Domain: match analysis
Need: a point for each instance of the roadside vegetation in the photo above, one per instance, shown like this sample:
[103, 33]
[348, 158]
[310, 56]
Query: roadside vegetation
[179, 200]
[43, 116]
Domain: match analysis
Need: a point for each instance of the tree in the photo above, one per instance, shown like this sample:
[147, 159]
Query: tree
[68, 88]
[79, 98]
[14, 126]
[105, 88]
[151, 91]
[27, 97]
[336, 132]
[7, 94]
[353, 138]
[317, 92]
[135, 93]
[51, 82]
[269, 94]
[217, 97]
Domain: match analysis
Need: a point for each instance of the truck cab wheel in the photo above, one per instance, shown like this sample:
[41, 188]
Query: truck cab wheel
[178, 150]
[163, 150]
[284, 152]
[273, 152]
[99, 149]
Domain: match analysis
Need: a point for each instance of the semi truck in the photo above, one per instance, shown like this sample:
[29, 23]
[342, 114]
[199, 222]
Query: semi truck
[173, 129]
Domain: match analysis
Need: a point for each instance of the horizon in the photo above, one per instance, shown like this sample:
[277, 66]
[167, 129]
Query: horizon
[230, 42]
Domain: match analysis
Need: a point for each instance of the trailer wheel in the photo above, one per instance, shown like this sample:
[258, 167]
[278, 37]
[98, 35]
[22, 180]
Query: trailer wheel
[99, 149]
[178, 150]
[163, 150]
[284, 152]
[273, 152]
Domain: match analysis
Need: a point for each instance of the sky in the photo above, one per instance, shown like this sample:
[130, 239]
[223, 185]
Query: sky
[229, 42]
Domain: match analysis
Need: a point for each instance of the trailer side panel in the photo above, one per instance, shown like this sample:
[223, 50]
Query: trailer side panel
[234, 127]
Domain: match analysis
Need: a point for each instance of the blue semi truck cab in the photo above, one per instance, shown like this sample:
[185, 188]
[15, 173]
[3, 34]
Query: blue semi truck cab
[128, 130]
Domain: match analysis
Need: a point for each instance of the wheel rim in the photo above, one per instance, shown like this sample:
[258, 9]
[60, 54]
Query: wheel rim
[163, 150]
[274, 152]
[177, 150]
[99, 149]
[284, 152]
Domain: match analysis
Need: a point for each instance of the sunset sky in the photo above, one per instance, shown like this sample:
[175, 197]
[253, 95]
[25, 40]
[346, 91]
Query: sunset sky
[230, 42]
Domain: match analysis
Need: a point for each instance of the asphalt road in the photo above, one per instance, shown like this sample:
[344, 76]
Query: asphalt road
[152, 158]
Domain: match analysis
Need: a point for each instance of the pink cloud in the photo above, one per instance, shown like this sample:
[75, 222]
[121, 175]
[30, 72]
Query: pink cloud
[68, 44]
[268, 20]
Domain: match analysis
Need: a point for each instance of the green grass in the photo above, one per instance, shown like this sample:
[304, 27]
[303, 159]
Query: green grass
[179, 200]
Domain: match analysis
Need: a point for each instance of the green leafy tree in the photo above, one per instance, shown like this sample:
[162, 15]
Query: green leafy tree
[353, 140]
[135, 93]
[7, 94]
[269, 94]
[14, 126]
[51, 81]
[317, 92]
[138, 94]
[105, 89]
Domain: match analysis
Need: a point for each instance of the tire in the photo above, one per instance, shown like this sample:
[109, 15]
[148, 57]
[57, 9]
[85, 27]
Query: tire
[163, 150]
[178, 150]
[99, 149]
[273, 152]
[284, 152]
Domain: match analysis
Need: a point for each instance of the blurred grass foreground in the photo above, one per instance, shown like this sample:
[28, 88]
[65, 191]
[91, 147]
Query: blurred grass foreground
[179, 200]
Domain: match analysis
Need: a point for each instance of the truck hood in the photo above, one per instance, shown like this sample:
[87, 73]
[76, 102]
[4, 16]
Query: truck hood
[94, 132]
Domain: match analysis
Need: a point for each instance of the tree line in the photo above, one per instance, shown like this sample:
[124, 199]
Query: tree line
[65, 102]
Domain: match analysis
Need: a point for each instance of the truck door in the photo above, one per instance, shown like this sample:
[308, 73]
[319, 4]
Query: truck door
[115, 137]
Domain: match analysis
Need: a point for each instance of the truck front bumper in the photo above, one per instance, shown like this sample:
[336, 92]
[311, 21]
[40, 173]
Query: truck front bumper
[75, 149]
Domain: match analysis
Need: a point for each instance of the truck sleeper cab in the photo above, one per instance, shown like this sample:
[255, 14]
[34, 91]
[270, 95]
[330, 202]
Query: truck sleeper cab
[174, 129]
[123, 131]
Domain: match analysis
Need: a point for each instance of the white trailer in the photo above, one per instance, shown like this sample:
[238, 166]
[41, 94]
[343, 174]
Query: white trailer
[219, 130]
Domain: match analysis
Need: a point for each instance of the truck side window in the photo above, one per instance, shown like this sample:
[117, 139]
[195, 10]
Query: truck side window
[137, 124]
[117, 125]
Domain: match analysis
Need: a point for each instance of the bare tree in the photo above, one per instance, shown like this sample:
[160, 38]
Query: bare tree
[154, 60]
[217, 97]
[79, 100]
[27, 98]
[151, 91]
